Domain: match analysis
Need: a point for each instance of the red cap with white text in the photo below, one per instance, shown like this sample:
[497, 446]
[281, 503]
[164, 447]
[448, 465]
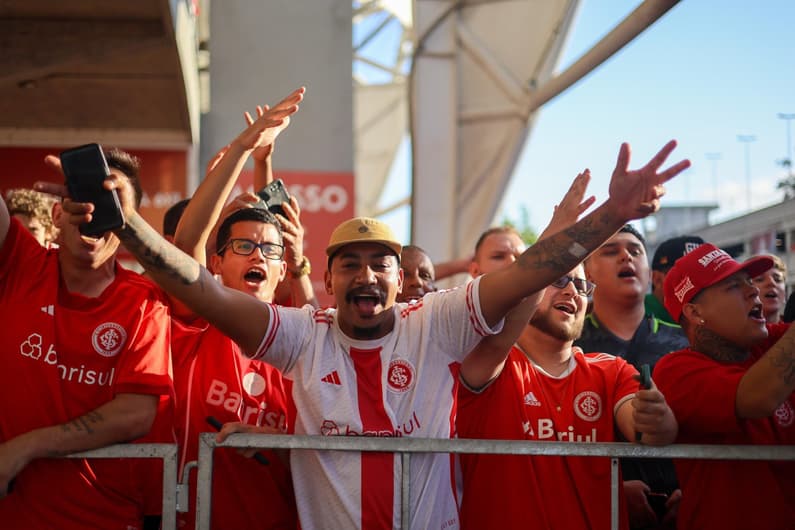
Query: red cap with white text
[704, 266]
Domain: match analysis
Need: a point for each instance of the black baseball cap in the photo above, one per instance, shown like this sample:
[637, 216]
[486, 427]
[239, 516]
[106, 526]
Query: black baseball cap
[672, 249]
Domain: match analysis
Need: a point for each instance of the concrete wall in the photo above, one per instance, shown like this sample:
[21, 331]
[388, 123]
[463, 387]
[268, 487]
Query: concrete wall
[262, 49]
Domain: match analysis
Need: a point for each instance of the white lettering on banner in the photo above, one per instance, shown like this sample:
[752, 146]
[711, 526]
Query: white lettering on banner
[32, 348]
[161, 199]
[546, 431]
[313, 198]
[219, 395]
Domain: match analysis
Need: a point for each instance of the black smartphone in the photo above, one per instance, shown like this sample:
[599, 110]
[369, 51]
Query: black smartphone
[274, 194]
[657, 502]
[86, 169]
[645, 384]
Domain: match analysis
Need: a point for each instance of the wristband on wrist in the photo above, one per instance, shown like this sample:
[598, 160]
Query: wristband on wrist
[304, 268]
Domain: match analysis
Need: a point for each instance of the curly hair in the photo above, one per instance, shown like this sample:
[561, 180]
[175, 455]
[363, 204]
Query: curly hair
[33, 204]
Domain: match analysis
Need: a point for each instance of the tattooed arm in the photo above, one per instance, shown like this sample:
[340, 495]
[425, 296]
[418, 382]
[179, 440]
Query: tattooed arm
[770, 381]
[486, 361]
[124, 418]
[634, 194]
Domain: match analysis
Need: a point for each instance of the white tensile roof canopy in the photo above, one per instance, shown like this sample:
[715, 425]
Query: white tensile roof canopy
[466, 80]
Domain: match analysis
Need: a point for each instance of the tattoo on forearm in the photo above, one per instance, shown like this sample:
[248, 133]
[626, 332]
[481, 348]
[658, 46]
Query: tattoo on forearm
[784, 361]
[554, 252]
[84, 423]
[158, 256]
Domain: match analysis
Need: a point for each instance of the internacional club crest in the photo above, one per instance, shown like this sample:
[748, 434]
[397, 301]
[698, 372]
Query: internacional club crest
[108, 339]
[588, 405]
[400, 376]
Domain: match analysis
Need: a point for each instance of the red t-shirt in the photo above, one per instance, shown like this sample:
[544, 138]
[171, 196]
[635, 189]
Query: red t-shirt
[212, 378]
[728, 494]
[543, 492]
[65, 355]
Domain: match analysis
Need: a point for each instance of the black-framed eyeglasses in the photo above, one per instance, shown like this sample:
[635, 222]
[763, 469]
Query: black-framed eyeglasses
[583, 286]
[245, 247]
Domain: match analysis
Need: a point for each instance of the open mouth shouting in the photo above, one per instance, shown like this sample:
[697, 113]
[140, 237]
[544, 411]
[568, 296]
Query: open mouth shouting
[366, 300]
[254, 276]
[756, 313]
[566, 307]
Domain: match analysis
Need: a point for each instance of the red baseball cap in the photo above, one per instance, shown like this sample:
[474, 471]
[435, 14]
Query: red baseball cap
[704, 266]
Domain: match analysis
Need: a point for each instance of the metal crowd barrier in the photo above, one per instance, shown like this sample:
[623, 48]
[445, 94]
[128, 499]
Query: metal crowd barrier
[167, 452]
[407, 446]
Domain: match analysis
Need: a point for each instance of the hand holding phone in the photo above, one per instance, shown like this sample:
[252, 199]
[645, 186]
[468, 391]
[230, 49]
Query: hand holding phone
[645, 384]
[274, 195]
[658, 502]
[86, 169]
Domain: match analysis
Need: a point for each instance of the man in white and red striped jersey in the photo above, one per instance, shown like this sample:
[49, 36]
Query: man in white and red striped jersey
[396, 364]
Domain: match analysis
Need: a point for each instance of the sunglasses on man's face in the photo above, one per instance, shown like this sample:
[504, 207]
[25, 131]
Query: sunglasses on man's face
[583, 286]
[245, 247]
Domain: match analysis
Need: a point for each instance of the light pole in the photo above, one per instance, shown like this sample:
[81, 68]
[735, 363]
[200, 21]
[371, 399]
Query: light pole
[714, 157]
[788, 118]
[747, 139]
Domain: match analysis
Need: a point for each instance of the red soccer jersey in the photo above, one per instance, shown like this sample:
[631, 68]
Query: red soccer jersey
[728, 494]
[212, 378]
[525, 403]
[66, 355]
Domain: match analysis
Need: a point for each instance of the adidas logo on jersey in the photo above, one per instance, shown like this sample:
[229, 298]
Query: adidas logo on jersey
[49, 309]
[332, 378]
[530, 399]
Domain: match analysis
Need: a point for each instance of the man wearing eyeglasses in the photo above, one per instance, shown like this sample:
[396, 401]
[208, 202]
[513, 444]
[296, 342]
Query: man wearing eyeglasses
[620, 326]
[549, 390]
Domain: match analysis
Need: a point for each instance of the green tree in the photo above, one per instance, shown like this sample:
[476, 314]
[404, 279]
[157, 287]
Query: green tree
[522, 226]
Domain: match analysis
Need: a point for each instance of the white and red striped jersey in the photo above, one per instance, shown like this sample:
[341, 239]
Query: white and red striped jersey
[403, 384]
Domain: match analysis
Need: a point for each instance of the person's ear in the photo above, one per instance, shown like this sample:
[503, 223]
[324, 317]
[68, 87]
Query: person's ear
[692, 313]
[474, 269]
[327, 281]
[215, 263]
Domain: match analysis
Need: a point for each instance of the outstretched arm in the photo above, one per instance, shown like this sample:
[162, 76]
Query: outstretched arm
[485, 362]
[633, 195]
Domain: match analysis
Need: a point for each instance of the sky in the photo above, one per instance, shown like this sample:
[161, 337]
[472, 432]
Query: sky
[706, 72]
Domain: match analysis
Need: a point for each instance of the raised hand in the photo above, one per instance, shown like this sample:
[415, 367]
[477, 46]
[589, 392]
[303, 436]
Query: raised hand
[81, 212]
[262, 153]
[572, 206]
[634, 194]
[293, 234]
[272, 121]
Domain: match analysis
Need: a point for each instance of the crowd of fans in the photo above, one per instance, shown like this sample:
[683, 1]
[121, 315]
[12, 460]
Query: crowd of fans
[545, 343]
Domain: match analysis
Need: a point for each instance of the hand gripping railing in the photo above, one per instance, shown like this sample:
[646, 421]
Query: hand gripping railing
[167, 452]
[406, 446]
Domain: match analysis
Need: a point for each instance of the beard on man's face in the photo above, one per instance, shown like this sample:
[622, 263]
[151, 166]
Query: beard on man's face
[544, 321]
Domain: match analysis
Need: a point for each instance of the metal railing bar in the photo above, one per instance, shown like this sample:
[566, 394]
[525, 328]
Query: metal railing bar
[166, 452]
